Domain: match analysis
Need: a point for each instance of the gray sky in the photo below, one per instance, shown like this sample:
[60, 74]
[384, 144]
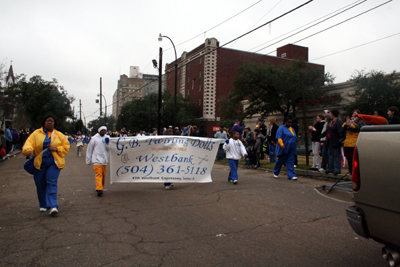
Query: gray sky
[77, 42]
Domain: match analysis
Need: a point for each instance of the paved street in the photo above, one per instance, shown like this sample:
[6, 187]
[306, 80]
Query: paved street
[259, 222]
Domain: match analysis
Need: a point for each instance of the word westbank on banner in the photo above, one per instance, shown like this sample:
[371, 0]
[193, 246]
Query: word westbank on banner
[177, 159]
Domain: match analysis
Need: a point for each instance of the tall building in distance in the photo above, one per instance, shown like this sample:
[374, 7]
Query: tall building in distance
[136, 86]
[207, 74]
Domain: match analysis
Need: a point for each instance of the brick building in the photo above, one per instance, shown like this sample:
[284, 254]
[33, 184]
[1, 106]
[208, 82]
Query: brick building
[207, 74]
[136, 86]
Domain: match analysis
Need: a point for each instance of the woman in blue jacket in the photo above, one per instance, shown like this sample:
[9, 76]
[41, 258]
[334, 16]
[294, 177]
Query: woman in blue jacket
[286, 149]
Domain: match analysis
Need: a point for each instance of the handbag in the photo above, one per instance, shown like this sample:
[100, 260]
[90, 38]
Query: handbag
[29, 166]
[2, 152]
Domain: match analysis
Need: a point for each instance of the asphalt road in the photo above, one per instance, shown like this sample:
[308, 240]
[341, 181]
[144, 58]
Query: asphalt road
[261, 221]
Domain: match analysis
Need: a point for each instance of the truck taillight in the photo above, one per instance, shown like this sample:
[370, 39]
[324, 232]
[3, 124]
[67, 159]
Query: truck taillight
[356, 171]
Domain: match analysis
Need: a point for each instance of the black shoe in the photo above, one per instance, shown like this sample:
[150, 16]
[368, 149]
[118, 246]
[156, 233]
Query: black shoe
[99, 192]
[327, 172]
[335, 173]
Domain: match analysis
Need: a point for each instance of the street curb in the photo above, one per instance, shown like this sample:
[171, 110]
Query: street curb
[305, 173]
[11, 156]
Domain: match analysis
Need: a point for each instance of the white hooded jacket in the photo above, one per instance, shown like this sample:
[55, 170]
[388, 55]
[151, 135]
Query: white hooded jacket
[97, 151]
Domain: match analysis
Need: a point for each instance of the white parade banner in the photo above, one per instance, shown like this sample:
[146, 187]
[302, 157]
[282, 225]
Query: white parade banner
[156, 159]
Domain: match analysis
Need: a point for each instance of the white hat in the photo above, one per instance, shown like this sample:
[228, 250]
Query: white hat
[102, 128]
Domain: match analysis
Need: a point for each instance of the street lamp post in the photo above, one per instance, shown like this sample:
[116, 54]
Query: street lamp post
[176, 74]
[105, 114]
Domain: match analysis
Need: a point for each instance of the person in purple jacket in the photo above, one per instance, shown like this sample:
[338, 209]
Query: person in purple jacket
[237, 128]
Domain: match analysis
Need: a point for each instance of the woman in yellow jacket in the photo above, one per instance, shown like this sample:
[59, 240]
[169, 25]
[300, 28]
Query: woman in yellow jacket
[49, 163]
[352, 128]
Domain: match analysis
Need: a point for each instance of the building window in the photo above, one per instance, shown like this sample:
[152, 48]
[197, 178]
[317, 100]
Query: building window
[199, 87]
[188, 91]
[188, 66]
[188, 79]
[199, 73]
[201, 60]
[199, 101]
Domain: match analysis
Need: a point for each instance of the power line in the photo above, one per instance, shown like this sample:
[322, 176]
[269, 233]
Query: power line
[218, 24]
[355, 4]
[362, 13]
[358, 46]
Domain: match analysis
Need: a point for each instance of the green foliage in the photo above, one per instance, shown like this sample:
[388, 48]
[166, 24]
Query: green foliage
[141, 114]
[37, 98]
[374, 90]
[269, 89]
[94, 125]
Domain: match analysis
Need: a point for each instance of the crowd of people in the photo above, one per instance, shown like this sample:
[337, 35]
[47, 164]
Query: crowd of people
[331, 138]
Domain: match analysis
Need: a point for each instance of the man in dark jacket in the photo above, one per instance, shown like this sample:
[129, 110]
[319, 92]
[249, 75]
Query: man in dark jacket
[258, 146]
[263, 128]
[393, 113]
[273, 127]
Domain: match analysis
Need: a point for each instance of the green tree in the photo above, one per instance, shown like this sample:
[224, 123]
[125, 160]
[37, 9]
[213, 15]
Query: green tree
[37, 97]
[94, 125]
[269, 89]
[374, 90]
[141, 114]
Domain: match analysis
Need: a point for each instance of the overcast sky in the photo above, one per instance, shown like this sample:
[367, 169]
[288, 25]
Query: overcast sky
[77, 42]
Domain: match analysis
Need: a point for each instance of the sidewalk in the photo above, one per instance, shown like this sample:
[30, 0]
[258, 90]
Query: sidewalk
[12, 154]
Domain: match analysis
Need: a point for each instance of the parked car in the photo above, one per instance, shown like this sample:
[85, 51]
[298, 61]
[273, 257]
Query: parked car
[376, 187]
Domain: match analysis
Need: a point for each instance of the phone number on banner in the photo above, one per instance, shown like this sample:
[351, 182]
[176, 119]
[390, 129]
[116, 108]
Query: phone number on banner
[161, 169]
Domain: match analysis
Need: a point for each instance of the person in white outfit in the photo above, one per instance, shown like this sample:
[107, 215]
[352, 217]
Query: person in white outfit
[97, 153]
[79, 143]
[234, 152]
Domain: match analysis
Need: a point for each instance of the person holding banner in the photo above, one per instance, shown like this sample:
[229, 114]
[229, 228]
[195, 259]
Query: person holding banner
[97, 153]
[234, 152]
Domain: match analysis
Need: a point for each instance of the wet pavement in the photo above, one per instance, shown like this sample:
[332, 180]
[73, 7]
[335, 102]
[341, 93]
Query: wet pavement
[261, 221]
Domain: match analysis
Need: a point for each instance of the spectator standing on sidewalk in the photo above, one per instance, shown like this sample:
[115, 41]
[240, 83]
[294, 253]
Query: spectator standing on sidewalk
[168, 186]
[2, 144]
[49, 163]
[324, 147]
[273, 128]
[221, 134]
[393, 113]
[237, 128]
[316, 131]
[234, 152]
[97, 153]
[263, 128]
[258, 146]
[9, 140]
[351, 128]
[16, 139]
[334, 132]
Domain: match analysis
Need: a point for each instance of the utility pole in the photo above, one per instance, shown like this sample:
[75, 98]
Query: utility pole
[101, 113]
[73, 119]
[159, 91]
[80, 113]
[80, 110]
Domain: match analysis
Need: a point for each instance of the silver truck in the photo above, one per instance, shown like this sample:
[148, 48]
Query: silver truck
[376, 188]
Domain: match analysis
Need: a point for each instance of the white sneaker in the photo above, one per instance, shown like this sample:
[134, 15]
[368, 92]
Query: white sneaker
[42, 209]
[321, 170]
[293, 178]
[276, 176]
[167, 187]
[8, 155]
[295, 166]
[53, 212]
[234, 181]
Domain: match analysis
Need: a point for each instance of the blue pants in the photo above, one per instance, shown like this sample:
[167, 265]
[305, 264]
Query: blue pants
[233, 164]
[46, 183]
[272, 153]
[287, 158]
[220, 153]
[334, 158]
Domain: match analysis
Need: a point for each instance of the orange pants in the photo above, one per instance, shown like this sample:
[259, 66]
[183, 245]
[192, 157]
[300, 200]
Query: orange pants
[100, 176]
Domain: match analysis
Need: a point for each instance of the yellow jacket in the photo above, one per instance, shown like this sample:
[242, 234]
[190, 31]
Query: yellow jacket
[35, 143]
